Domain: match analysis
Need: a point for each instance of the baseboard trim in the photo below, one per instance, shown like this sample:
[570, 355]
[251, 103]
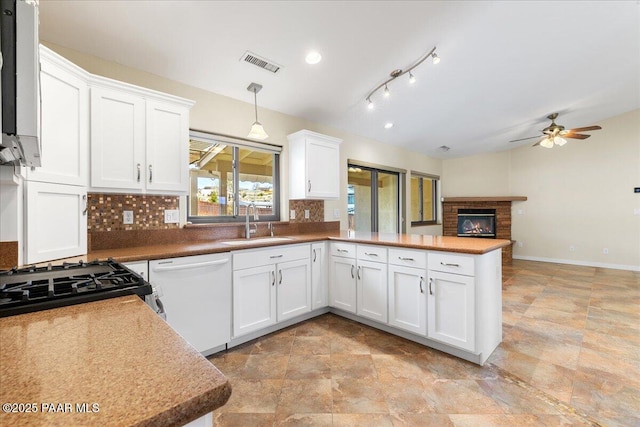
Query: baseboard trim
[578, 262]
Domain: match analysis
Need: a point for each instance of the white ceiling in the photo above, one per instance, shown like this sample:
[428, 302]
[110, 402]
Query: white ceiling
[505, 64]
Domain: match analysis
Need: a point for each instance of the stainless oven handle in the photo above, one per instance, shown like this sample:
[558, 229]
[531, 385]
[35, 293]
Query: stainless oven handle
[188, 266]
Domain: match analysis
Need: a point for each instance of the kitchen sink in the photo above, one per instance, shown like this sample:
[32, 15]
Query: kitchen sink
[256, 240]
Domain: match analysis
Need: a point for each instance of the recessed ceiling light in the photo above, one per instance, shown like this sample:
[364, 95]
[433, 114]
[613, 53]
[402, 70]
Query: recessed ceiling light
[313, 57]
[388, 125]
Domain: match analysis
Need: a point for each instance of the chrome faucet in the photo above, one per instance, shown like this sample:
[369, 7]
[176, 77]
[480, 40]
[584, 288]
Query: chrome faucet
[247, 228]
[271, 228]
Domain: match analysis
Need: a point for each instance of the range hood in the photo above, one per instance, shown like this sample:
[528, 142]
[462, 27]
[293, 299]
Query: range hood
[20, 83]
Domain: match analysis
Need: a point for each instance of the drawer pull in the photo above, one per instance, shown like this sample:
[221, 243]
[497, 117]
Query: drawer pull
[276, 256]
[401, 258]
[446, 264]
[421, 280]
[342, 250]
[370, 254]
[430, 283]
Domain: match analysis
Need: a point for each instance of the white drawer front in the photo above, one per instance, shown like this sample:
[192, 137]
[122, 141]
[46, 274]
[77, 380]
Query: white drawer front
[347, 250]
[451, 263]
[372, 253]
[274, 255]
[408, 258]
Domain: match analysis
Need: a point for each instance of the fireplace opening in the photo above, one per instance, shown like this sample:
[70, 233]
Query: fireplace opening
[477, 223]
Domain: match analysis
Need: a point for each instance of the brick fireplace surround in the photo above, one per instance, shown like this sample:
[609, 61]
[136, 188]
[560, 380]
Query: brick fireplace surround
[502, 205]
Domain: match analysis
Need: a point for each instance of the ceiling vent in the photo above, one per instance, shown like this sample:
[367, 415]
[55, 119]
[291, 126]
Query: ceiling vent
[260, 62]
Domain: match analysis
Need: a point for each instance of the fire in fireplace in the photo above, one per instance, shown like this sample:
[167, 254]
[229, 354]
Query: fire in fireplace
[477, 223]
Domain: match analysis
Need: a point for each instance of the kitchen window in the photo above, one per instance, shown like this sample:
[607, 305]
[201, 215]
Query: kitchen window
[424, 199]
[228, 174]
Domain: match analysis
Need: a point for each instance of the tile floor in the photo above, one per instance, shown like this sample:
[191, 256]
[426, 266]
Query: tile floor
[570, 356]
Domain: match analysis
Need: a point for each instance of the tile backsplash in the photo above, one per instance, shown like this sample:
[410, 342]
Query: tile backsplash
[106, 211]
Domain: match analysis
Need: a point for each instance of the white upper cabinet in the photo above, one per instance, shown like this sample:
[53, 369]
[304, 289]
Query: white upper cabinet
[65, 122]
[139, 139]
[314, 166]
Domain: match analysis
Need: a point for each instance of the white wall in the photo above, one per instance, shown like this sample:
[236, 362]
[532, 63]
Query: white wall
[220, 114]
[579, 195]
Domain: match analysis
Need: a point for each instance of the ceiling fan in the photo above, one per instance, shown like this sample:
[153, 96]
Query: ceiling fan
[555, 134]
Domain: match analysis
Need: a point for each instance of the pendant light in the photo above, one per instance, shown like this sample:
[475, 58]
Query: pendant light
[257, 131]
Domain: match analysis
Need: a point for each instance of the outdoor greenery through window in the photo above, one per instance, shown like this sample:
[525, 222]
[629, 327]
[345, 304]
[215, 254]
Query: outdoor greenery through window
[424, 199]
[227, 175]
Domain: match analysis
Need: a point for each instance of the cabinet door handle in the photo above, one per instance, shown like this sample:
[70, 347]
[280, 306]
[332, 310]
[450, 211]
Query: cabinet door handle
[421, 280]
[314, 255]
[273, 278]
[430, 283]
[138, 166]
[405, 259]
[276, 256]
[352, 275]
[86, 206]
[150, 173]
[309, 190]
[359, 272]
[370, 254]
[446, 264]
[280, 281]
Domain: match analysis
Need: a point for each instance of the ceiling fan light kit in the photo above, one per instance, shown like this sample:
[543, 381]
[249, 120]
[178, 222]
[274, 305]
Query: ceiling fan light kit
[555, 134]
[400, 72]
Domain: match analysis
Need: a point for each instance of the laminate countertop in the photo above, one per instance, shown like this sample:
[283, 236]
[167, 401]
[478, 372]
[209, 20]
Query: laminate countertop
[415, 241]
[110, 362]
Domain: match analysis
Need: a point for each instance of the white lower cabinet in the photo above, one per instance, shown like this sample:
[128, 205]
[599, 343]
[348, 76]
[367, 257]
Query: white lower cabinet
[451, 302]
[342, 285]
[372, 290]
[269, 286]
[408, 299]
[319, 276]
[254, 299]
[196, 294]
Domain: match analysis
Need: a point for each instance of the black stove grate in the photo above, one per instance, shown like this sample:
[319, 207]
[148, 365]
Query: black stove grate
[38, 288]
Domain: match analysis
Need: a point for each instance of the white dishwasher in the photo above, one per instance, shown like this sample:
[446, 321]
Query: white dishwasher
[196, 294]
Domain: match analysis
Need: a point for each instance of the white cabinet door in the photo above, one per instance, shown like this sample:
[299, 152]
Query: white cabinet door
[323, 179]
[117, 139]
[342, 284]
[167, 147]
[196, 294]
[314, 161]
[319, 273]
[372, 290]
[293, 288]
[254, 299]
[451, 309]
[408, 299]
[56, 221]
[64, 123]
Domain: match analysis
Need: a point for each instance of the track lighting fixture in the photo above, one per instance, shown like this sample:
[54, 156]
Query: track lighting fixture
[399, 72]
[257, 131]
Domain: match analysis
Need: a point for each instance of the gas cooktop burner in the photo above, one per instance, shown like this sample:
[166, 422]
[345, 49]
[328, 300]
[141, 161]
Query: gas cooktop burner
[37, 288]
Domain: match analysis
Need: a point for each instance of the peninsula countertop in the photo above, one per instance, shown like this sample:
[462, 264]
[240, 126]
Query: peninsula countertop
[110, 362]
[151, 251]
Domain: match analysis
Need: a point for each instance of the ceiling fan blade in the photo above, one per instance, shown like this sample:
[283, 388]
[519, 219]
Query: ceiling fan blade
[524, 139]
[585, 129]
[575, 136]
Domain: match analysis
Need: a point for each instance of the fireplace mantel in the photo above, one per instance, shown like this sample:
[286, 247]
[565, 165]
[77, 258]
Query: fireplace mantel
[485, 199]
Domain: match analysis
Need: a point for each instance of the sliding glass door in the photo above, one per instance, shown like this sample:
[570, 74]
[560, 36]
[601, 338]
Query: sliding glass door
[373, 199]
